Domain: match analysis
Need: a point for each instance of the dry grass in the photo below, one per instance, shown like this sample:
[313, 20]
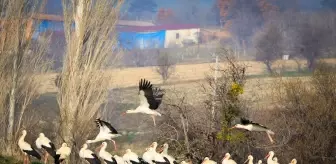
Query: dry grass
[128, 77]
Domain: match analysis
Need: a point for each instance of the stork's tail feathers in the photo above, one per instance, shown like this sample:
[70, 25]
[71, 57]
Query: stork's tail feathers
[57, 159]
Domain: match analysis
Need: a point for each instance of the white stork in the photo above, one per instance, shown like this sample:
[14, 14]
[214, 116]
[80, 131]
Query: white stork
[249, 159]
[62, 153]
[293, 161]
[131, 158]
[106, 132]
[88, 155]
[150, 99]
[119, 159]
[255, 127]
[275, 160]
[106, 156]
[164, 153]
[43, 142]
[27, 149]
[158, 158]
[269, 157]
[259, 162]
[208, 161]
[227, 160]
[148, 155]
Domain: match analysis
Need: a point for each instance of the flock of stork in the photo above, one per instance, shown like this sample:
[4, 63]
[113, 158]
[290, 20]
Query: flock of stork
[150, 100]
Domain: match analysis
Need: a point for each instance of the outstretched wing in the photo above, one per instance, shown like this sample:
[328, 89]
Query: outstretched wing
[150, 97]
[105, 126]
[245, 121]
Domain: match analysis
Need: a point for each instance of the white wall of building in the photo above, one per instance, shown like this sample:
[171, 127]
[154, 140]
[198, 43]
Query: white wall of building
[181, 37]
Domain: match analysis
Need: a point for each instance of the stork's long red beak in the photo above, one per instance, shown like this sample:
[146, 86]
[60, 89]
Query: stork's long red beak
[123, 113]
[98, 148]
[232, 128]
[160, 150]
[267, 156]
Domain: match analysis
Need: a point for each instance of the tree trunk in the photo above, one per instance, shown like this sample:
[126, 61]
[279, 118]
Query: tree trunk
[12, 102]
[269, 66]
[311, 63]
[186, 139]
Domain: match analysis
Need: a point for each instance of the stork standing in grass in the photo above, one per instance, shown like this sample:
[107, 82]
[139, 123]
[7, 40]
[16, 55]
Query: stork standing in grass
[164, 152]
[208, 161]
[27, 149]
[150, 100]
[43, 142]
[106, 156]
[293, 161]
[269, 157]
[62, 153]
[131, 158]
[227, 160]
[106, 132]
[249, 159]
[254, 127]
[88, 155]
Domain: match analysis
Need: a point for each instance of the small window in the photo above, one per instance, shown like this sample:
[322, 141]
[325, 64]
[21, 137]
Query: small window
[177, 35]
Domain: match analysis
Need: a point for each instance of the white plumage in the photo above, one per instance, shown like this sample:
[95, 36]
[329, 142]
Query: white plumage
[269, 157]
[64, 151]
[148, 155]
[293, 161]
[119, 159]
[249, 159]
[43, 142]
[106, 132]
[150, 99]
[26, 148]
[164, 153]
[88, 155]
[227, 160]
[130, 157]
[158, 157]
[106, 156]
[208, 161]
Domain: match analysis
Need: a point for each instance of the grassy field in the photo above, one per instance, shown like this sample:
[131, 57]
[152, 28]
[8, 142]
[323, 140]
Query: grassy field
[128, 77]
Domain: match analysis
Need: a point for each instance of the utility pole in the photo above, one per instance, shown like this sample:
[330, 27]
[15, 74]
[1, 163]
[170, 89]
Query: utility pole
[215, 88]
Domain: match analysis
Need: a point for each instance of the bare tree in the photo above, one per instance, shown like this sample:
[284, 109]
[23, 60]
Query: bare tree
[269, 45]
[305, 110]
[315, 36]
[165, 65]
[21, 61]
[83, 85]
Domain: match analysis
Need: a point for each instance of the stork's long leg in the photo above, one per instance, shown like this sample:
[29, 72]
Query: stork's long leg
[24, 159]
[46, 157]
[115, 145]
[270, 138]
[154, 120]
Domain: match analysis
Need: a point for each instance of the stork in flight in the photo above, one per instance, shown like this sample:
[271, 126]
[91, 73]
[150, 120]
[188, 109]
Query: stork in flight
[254, 127]
[106, 132]
[150, 99]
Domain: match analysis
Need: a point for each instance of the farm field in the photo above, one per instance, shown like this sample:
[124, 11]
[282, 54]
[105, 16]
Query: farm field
[129, 77]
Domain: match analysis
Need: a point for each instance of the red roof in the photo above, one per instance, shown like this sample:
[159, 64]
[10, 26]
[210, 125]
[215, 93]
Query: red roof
[157, 28]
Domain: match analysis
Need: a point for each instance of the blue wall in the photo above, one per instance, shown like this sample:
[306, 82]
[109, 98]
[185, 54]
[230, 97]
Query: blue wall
[126, 40]
[142, 40]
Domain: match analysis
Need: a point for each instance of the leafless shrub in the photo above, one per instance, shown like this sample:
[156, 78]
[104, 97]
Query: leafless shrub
[200, 130]
[22, 60]
[306, 111]
[165, 65]
[84, 86]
